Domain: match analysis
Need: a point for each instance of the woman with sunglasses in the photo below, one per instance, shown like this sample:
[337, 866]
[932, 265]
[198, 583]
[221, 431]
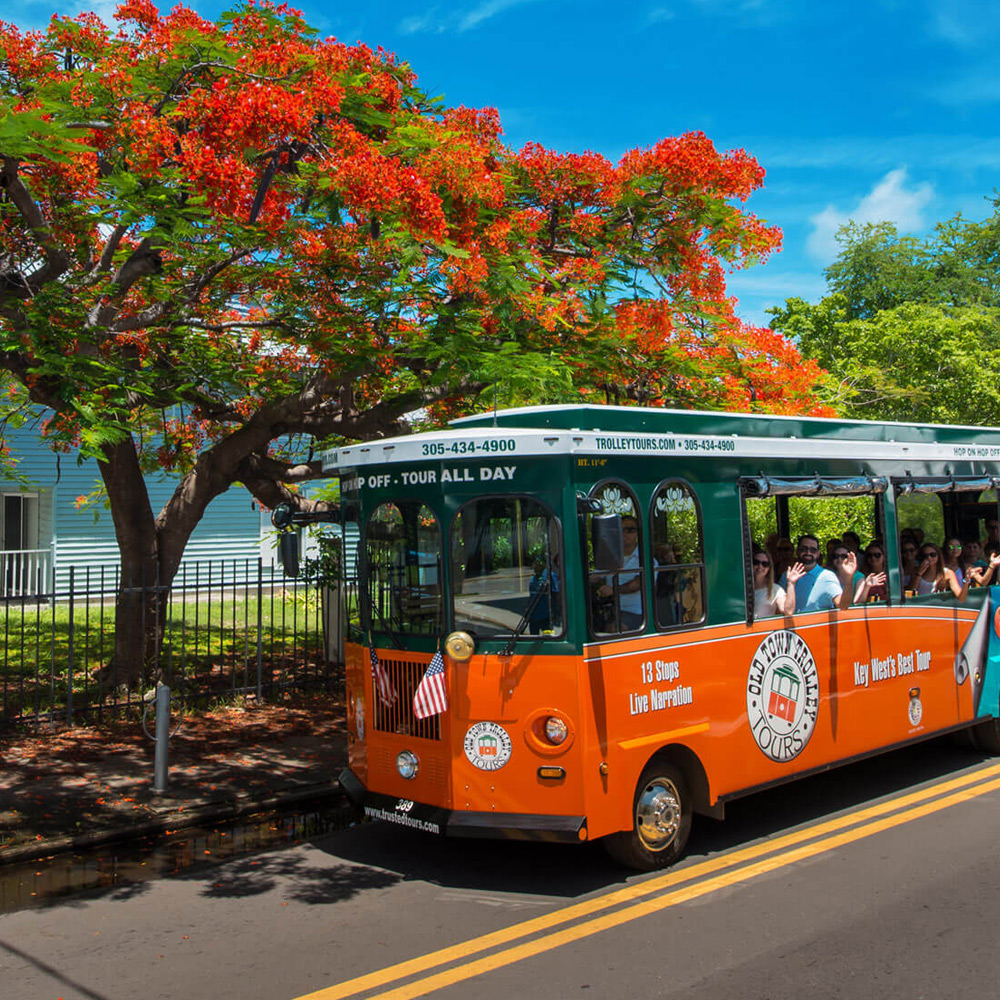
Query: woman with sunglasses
[951, 552]
[874, 572]
[933, 577]
[769, 599]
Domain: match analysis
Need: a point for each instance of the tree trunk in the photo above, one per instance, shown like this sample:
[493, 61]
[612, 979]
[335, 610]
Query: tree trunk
[144, 585]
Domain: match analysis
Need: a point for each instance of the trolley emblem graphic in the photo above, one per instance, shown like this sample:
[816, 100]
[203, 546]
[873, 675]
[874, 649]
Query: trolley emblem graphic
[782, 695]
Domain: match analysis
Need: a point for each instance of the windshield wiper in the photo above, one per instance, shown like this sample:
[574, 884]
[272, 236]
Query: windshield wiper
[543, 589]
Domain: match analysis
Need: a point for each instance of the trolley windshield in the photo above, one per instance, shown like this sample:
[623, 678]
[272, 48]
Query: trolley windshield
[505, 568]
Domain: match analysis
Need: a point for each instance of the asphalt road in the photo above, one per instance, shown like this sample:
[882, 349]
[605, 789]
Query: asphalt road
[877, 880]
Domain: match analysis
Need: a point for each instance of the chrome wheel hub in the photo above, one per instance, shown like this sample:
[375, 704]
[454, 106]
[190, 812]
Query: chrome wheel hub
[658, 814]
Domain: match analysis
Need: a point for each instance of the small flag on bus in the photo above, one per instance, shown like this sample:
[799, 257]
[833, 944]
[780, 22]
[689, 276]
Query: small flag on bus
[431, 696]
[386, 692]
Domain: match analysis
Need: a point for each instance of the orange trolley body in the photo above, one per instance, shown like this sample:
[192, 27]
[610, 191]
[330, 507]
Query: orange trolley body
[582, 729]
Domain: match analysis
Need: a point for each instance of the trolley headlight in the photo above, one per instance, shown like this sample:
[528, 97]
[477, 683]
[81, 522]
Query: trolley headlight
[556, 730]
[459, 646]
[407, 764]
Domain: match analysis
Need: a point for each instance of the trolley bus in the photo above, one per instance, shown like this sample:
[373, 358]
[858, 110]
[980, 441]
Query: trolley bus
[575, 584]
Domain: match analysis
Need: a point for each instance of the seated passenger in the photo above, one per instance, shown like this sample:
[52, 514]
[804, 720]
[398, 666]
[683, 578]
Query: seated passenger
[933, 577]
[768, 598]
[668, 586]
[875, 574]
[818, 589]
[907, 555]
[983, 577]
[972, 553]
[831, 547]
[852, 541]
[950, 553]
[784, 557]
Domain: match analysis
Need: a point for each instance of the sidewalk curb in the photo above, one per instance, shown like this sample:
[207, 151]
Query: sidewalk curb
[198, 811]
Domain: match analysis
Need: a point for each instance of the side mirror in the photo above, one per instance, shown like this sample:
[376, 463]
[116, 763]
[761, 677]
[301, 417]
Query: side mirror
[609, 546]
[281, 516]
[288, 552]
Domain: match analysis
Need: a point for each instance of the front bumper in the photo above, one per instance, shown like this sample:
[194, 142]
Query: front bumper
[462, 823]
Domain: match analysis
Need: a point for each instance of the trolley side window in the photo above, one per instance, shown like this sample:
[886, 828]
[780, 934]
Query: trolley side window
[678, 558]
[617, 598]
[947, 534]
[402, 569]
[816, 528]
[506, 568]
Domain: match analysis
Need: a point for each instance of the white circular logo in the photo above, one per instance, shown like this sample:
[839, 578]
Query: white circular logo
[487, 746]
[782, 695]
[916, 709]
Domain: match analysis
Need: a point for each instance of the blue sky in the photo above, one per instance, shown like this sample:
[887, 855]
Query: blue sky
[874, 110]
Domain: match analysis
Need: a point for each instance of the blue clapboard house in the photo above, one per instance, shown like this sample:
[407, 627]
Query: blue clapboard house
[43, 532]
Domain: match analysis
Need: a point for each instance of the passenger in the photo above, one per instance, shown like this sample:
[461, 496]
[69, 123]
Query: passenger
[853, 541]
[668, 586]
[907, 554]
[972, 554]
[952, 550]
[831, 547]
[982, 577]
[768, 598]
[918, 535]
[933, 577]
[817, 589]
[842, 557]
[629, 584]
[874, 571]
[785, 556]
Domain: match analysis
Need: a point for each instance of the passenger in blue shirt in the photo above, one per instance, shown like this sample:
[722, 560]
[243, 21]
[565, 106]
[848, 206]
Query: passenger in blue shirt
[818, 589]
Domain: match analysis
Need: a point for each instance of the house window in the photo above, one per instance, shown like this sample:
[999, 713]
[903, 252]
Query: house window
[19, 526]
[20, 563]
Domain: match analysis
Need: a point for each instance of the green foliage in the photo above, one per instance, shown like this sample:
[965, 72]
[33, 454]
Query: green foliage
[911, 328]
[824, 517]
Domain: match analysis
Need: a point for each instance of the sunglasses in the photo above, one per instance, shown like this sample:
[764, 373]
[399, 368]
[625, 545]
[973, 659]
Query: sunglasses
[761, 562]
[955, 548]
[908, 548]
[808, 548]
[874, 555]
[928, 555]
[840, 555]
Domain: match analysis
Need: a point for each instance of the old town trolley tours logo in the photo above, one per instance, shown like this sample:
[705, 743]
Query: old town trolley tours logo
[782, 695]
[487, 746]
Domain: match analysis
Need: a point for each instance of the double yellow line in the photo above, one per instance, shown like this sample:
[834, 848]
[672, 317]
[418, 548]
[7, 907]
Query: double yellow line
[651, 895]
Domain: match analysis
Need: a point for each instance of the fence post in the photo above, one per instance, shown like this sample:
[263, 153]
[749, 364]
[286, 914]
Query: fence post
[161, 763]
[260, 629]
[69, 651]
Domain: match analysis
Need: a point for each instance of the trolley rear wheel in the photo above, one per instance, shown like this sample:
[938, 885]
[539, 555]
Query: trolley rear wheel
[986, 736]
[661, 819]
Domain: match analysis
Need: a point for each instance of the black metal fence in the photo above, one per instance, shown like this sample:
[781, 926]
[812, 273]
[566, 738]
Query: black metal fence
[222, 629]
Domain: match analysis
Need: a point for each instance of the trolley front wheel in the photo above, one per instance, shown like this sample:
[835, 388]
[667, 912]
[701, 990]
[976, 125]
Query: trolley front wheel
[661, 820]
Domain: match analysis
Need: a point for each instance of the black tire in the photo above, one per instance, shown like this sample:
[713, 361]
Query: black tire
[661, 820]
[986, 736]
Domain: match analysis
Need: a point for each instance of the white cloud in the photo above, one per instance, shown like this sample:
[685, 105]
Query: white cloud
[435, 21]
[890, 200]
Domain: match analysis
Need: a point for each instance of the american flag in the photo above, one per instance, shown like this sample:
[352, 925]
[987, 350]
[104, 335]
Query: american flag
[386, 692]
[431, 696]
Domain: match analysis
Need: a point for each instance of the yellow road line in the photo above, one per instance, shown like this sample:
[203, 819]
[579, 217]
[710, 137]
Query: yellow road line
[466, 949]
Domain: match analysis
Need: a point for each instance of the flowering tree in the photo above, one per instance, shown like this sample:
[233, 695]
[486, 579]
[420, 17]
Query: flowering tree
[215, 235]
